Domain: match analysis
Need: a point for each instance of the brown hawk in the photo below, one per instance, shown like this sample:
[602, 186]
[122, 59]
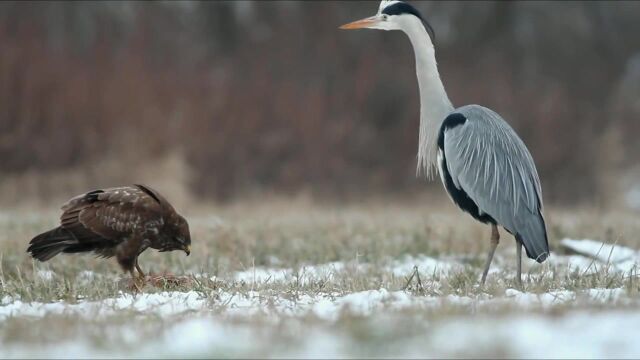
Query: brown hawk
[121, 222]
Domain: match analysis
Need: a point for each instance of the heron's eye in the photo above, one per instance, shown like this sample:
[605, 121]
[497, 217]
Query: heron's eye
[385, 17]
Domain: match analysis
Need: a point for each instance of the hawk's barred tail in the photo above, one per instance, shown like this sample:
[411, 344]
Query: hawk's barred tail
[49, 244]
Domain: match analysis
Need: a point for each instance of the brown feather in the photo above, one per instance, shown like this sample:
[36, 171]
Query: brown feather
[121, 222]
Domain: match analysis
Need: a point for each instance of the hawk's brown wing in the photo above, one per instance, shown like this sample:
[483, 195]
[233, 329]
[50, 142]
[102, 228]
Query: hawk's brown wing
[110, 213]
[165, 207]
[100, 220]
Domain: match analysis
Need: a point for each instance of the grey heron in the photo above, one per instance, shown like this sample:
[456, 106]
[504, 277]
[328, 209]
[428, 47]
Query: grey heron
[485, 167]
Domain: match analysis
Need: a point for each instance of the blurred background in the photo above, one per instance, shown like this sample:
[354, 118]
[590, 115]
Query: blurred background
[216, 101]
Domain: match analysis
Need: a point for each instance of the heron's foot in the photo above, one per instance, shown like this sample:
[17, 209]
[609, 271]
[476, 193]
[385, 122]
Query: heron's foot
[485, 272]
[519, 265]
[518, 281]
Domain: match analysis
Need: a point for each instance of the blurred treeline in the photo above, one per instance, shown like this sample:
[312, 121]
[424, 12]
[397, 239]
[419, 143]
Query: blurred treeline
[272, 96]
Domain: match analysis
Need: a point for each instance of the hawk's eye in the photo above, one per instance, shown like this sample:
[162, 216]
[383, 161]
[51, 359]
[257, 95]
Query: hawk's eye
[179, 239]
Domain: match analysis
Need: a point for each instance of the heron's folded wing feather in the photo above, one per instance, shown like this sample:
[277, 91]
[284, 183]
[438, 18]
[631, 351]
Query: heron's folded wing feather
[492, 165]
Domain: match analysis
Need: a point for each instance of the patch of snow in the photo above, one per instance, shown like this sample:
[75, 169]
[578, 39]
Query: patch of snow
[579, 263]
[273, 260]
[559, 297]
[263, 275]
[46, 275]
[162, 304]
[86, 275]
[327, 306]
[404, 267]
[426, 265]
[575, 335]
[606, 295]
[620, 258]
[199, 337]
[328, 269]
[526, 300]
[360, 303]
[19, 308]
[304, 275]
[77, 349]
[600, 250]
[6, 300]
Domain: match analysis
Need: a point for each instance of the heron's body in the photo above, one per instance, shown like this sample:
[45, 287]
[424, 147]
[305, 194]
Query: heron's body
[484, 166]
[489, 173]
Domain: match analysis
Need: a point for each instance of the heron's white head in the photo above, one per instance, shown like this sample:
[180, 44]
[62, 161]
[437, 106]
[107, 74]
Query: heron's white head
[392, 15]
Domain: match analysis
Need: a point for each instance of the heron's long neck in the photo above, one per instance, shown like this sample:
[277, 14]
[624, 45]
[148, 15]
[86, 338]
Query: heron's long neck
[434, 102]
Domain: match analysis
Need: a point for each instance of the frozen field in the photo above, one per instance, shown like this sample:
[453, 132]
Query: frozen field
[300, 280]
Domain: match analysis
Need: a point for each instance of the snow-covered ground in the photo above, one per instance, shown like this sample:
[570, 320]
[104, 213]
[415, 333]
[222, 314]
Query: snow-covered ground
[578, 334]
[598, 322]
[615, 258]
[324, 306]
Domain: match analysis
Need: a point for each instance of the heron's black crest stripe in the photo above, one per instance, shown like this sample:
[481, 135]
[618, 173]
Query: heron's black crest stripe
[404, 8]
[451, 121]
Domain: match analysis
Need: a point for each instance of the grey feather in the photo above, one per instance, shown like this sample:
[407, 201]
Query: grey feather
[497, 172]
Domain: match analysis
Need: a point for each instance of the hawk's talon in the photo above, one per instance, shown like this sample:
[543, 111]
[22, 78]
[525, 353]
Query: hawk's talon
[137, 282]
[140, 272]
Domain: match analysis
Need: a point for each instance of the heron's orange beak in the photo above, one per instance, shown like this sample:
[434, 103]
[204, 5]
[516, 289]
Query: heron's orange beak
[360, 24]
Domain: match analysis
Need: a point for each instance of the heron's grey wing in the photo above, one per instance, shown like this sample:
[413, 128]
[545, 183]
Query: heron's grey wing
[487, 160]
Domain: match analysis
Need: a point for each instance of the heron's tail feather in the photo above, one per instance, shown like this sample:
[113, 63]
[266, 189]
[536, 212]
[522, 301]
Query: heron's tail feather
[533, 235]
[49, 244]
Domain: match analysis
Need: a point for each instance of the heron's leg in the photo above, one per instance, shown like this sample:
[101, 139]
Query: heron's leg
[495, 240]
[519, 264]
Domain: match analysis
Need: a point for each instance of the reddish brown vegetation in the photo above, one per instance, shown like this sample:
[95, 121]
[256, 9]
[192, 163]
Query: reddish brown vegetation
[278, 98]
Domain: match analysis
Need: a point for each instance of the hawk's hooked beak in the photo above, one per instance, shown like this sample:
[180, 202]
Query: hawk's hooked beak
[361, 24]
[187, 249]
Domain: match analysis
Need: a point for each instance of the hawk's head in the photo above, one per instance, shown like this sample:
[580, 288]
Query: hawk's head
[176, 235]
